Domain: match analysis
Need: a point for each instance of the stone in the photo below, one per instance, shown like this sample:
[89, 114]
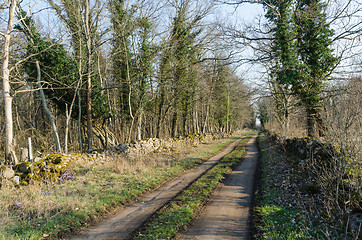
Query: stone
[16, 180]
[123, 148]
[24, 154]
[21, 167]
[8, 173]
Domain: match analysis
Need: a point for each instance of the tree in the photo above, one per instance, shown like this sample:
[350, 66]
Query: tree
[123, 26]
[220, 95]
[10, 156]
[82, 21]
[53, 58]
[183, 49]
[284, 56]
[144, 63]
[316, 57]
[89, 51]
[303, 60]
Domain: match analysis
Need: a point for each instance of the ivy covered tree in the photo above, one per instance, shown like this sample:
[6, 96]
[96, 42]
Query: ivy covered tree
[301, 50]
[145, 60]
[314, 40]
[220, 95]
[184, 51]
[283, 53]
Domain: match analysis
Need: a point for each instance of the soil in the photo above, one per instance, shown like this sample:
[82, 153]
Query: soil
[227, 214]
[127, 219]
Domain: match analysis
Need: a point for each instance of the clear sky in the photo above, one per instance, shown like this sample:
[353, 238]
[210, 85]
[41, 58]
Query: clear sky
[238, 16]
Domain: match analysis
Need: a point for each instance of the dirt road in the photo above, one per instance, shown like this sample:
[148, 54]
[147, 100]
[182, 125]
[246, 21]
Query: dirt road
[129, 218]
[227, 214]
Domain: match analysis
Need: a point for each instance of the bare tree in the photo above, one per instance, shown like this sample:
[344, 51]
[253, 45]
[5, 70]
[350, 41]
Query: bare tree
[10, 156]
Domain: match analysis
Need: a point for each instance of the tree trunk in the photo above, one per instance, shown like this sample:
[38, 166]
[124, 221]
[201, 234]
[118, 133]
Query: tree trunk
[139, 124]
[159, 118]
[184, 120]
[206, 118]
[46, 109]
[89, 77]
[80, 135]
[197, 127]
[68, 117]
[174, 122]
[286, 119]
[227, 111]
[66, 134]
[10, 156]
[104, 126]
[311, 123]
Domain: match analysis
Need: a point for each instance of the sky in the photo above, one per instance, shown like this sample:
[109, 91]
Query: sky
[238, 16]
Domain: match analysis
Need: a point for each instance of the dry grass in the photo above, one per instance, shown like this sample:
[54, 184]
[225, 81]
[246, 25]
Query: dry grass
[91, 187]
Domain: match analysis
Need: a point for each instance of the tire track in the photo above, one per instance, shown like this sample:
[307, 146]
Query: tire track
[126, 220]
[226, 216]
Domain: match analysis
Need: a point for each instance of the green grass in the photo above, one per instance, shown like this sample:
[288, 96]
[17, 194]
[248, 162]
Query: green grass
[178, 213]
[53, 210]
[279, 213]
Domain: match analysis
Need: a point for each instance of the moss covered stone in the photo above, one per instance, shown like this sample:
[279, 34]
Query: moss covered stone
[48, 169]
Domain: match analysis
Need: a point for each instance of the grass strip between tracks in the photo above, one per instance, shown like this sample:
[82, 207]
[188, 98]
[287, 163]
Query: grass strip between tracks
[178, 213]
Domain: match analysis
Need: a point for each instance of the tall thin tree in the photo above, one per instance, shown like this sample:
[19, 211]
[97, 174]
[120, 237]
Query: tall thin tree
[10, 156]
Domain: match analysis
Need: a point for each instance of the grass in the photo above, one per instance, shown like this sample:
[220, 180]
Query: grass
[276, 219]
[179, 212]
[283, 209]
[96, 186]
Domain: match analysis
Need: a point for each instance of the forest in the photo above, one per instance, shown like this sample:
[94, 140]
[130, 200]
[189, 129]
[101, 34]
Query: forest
[86, 76]
[102, 73]
[109, 72]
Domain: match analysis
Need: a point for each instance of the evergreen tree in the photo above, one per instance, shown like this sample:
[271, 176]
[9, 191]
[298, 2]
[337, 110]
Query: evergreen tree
[58, 67]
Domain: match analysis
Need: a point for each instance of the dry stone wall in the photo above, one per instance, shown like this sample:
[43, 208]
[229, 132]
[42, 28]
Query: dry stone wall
[149, 145]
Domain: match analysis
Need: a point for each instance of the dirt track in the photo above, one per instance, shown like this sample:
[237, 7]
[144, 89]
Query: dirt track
[227, 214]
[128, 219]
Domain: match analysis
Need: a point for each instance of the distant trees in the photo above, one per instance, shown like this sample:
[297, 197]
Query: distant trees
[178, 69]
